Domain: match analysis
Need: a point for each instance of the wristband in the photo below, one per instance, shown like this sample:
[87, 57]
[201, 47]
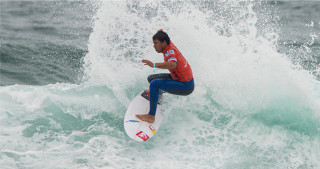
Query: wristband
[154, 65]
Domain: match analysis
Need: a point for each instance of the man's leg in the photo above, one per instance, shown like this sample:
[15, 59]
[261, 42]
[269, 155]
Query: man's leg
[155, 86]
[173, 86]
[158, 76]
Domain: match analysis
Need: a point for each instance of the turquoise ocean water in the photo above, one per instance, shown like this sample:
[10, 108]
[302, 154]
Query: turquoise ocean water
[69, 69]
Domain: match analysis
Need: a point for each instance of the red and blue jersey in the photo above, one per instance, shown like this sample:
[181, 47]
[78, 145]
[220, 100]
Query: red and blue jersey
[183, 71]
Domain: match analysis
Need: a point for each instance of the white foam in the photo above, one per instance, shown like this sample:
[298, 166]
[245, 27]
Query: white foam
[238, 74]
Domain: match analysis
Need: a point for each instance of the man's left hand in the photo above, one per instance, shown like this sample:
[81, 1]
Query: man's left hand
[147, 62]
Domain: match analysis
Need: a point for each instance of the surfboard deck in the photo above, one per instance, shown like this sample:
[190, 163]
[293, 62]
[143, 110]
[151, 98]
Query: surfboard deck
[140, 130]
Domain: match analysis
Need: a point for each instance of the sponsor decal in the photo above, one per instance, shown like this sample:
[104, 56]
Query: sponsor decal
[153, 130]
[171, 51]
[143, 136]
[167, 53]
[134, 121]
[172, 59]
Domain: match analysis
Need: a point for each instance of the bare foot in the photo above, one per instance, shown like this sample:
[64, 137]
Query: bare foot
[146, 117]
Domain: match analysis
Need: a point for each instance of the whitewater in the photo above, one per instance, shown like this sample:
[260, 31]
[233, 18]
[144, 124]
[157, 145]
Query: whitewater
[253, 106]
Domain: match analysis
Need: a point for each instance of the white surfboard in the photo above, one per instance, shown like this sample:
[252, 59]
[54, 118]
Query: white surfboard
[140, 130]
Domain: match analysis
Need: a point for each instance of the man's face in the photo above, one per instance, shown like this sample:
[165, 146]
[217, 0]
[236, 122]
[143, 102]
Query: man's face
[159, 46]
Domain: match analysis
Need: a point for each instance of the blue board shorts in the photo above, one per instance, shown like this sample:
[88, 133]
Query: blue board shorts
[163, 82]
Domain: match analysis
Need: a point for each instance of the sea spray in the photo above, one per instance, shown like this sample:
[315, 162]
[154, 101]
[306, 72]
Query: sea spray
[242, 81]
[251, 108]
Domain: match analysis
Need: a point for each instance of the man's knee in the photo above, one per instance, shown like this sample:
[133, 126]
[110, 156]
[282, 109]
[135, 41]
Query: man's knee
[159, 76]
[154, 83]
[150, 78]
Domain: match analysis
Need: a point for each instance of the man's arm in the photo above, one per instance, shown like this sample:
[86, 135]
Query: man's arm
[166, 65]
[163, 65]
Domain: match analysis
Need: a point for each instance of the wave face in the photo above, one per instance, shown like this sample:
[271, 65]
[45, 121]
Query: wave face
[255, 105]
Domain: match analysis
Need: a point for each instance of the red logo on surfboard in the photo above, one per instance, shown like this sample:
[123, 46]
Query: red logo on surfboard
[143, 136]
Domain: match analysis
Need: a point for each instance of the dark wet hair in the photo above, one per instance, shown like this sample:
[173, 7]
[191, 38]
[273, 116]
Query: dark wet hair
[161, 36]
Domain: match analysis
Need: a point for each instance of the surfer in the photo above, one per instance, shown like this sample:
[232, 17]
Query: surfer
[180, 79]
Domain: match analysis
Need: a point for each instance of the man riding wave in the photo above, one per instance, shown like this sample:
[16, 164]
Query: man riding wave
[180, 79]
